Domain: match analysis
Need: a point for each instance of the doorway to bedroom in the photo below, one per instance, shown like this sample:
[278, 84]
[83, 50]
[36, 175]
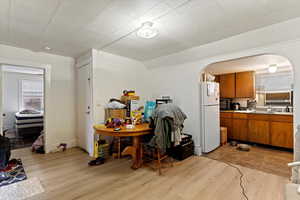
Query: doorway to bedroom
[23, 105]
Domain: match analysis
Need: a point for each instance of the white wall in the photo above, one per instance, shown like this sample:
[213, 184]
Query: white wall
[11, 94]
[111, 75]
[60, 106]
[281, 81]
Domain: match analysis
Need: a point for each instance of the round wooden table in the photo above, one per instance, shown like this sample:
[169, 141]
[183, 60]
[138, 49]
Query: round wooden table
[135, 133]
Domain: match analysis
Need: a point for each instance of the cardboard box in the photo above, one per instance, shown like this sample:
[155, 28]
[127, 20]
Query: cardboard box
[125, 99]
[115, 113]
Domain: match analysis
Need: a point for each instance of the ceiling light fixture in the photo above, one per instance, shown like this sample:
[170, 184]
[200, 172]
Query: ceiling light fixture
[272, 68]
[147, 31]
[47, 48]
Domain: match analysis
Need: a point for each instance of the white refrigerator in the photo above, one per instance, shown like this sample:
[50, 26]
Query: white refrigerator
[209, 116]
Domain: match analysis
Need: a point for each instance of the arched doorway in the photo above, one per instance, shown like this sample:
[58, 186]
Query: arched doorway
[256, 108]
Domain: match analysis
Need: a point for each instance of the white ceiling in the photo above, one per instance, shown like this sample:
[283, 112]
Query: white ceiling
[259, 64]
[71, 27]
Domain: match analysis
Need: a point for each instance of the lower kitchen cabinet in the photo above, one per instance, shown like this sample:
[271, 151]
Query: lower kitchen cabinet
[275, 130]
[259, 131]
[282, 134]
[240, 129]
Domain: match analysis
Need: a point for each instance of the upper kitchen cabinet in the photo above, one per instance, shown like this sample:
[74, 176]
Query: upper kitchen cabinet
[245, 84]
[227, 85]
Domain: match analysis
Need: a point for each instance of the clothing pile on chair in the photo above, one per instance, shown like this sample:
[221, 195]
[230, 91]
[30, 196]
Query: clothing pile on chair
[168, 122]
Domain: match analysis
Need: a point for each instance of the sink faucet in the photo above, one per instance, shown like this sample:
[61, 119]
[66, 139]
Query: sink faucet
[269, 109]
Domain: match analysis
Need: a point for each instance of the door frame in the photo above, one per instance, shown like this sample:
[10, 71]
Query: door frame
[47, 87]
[90, 66]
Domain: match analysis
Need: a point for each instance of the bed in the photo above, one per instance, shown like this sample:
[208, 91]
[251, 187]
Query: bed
[29, 123]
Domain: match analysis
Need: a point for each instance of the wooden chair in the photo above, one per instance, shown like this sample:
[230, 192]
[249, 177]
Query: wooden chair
[154, 154]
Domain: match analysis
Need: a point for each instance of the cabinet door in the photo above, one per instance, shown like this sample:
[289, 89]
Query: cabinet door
[227, 122]
[282, 134]
[227, 85]
[259, 131]
[239, 129]
[245, 85]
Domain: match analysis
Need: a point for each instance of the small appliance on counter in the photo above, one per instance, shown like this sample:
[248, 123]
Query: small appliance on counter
[235, 106]
[225, 104]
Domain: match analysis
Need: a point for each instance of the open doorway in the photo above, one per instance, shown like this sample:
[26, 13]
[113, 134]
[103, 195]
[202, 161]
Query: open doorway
[22, 104]
[256, 112]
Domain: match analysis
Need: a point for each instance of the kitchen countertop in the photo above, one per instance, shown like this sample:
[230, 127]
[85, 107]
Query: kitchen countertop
[258, 112]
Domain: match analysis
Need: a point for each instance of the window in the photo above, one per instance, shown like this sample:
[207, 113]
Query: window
[32, 95]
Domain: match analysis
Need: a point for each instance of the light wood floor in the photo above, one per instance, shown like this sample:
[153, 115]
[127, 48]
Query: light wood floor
[66, 175]
[265, 159]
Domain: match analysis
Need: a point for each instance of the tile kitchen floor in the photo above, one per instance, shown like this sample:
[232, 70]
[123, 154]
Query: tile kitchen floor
[265, 159]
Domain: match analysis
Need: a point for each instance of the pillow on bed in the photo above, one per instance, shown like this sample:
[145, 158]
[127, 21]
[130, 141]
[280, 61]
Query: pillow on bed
[27, 111]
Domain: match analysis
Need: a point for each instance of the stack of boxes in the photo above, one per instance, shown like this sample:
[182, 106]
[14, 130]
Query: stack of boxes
[131, 102]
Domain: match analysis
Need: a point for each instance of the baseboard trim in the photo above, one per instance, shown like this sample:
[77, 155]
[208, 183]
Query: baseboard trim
[51, 148]
[198, 150]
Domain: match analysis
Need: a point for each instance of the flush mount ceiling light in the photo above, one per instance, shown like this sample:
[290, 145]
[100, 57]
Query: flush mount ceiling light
[47, 48]
[272, 68]
[147, 31]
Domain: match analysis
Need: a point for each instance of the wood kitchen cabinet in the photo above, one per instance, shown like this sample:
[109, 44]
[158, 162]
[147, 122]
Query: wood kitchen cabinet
[259, 131]
[259, 128]
[275, 130]
[282, 134]
[245, 85]
[237, 85]
[227, 85]
[240, 127]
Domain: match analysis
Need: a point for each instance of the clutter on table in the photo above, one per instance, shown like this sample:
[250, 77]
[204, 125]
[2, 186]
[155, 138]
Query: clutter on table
[127, 112]
[149, 108]
[114, 123]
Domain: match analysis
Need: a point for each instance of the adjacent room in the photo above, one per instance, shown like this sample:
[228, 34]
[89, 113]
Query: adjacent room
[149, 99]
[23, 104]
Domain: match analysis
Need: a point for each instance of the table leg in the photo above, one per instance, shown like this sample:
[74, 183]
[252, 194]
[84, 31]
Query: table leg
[119, 147]
[134, 151]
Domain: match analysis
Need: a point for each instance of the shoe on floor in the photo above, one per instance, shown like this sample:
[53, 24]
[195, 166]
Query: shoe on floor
[97, 161]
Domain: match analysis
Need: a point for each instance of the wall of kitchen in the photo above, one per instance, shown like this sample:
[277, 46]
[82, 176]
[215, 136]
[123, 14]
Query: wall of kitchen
[181, 80]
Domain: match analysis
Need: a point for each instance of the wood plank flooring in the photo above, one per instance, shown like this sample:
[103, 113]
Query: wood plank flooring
[66, 175]
[265, 159]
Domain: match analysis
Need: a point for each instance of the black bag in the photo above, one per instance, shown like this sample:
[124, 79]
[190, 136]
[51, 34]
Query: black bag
[4, 151]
